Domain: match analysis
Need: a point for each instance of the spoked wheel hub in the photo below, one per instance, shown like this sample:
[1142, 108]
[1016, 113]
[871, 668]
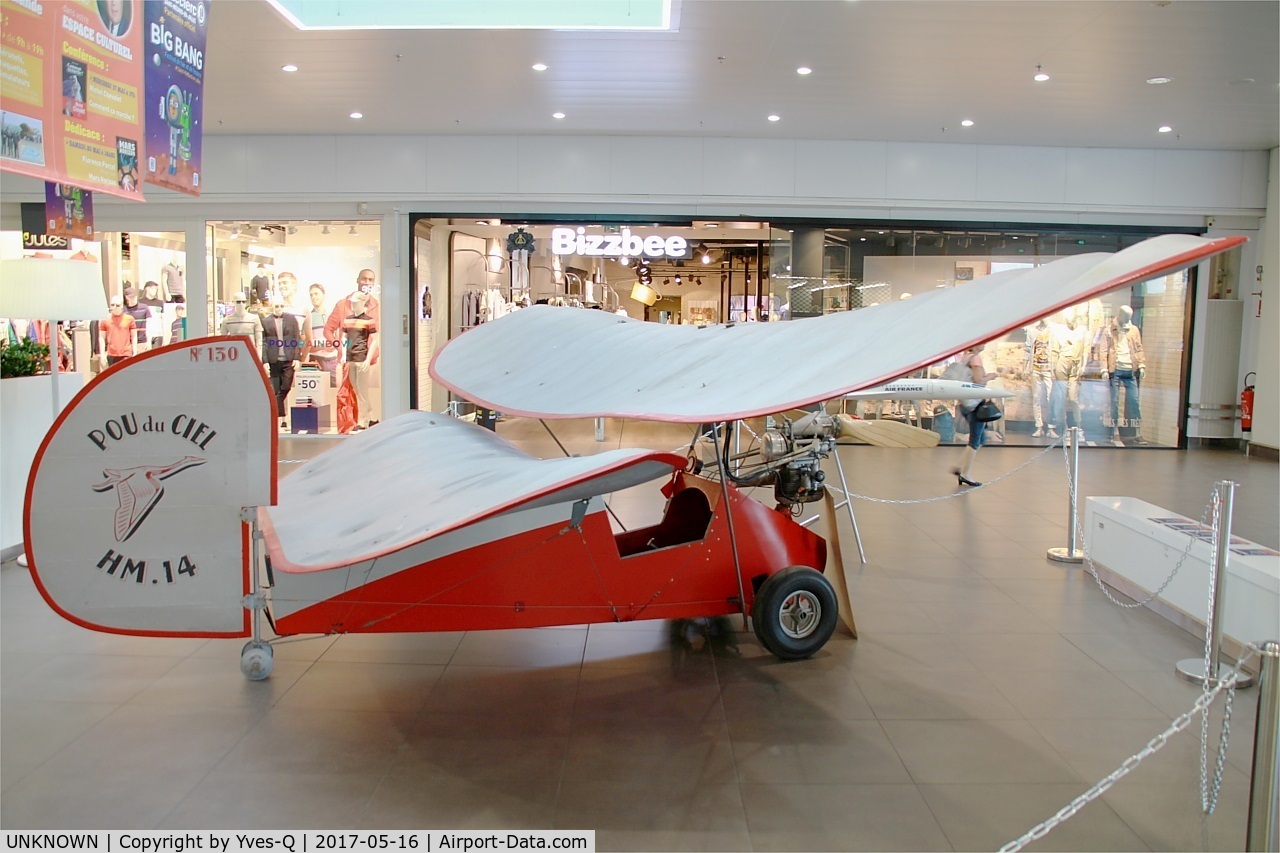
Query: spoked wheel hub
[799, 615]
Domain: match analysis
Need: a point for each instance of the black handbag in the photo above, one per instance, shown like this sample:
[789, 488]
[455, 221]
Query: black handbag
[987, 411]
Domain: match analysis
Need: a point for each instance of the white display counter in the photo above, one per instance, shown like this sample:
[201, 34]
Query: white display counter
[26, 413]
[1135, 546]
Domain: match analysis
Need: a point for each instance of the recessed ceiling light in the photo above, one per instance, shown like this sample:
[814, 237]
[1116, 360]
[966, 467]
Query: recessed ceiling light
[557, 115]
[775, 118]
[1040, 75]
[803, 70]
[289, 68]
[1164, 128]
[967, 123]
[357, 115]
[538, 66]
[1159, 81]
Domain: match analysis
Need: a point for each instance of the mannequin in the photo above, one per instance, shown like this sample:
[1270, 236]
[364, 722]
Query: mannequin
[174, 280]
[1068, 363]
[178, 329]
[260, 286]
[361, 332]
[116, 338]
[155, 308]
[281, 350]
[1040, 370]
[241, 322]
[979, 375]
[320, 348]
[1125, 366]
[365, 282]
[520, 245]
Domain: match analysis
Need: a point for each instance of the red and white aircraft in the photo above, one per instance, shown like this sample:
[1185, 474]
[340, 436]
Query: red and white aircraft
[426, 523]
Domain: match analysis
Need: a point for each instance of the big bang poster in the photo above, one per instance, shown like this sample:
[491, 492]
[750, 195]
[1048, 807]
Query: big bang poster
[68, 211]
[71, 99]
[175, 44]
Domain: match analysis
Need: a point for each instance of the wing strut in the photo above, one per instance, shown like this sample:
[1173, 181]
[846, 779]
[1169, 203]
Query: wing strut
[566, 452]
[728, 516]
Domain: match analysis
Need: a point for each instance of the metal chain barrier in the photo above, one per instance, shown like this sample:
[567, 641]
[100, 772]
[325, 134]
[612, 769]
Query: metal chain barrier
[1153, 746]
[1212, 515]
[1210, 508]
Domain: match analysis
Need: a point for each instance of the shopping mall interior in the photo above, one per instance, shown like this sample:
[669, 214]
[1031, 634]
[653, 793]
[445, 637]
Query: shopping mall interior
[371, 197]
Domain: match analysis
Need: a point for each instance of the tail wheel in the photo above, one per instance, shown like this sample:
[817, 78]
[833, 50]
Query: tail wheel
[795, 612]
[256, 660]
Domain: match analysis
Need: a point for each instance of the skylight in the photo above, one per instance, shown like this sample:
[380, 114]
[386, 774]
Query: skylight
[470, 15]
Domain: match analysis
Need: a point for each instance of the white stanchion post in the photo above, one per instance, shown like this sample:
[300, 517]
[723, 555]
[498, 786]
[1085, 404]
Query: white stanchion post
[1264, 782]
[1210, 668]
[599, 429]
[1071, 554]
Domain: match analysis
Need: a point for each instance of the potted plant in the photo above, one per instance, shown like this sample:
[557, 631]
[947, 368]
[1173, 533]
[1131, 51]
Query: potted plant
[25, 358]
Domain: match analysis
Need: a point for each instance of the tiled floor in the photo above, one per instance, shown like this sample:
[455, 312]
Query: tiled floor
[988, 688]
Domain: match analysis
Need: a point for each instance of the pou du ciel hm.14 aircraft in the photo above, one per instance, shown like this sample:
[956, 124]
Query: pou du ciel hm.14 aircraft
[154, 494]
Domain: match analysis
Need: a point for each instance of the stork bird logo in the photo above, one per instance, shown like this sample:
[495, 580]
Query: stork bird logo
[139, 490]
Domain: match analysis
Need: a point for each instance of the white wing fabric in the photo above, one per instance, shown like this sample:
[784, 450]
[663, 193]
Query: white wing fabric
[419, 475]
[569, 363]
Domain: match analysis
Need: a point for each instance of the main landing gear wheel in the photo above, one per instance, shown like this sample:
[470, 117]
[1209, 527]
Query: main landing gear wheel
[795, 612]
[256, 660]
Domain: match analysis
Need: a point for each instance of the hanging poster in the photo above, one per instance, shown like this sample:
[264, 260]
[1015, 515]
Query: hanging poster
[68, 211]
[175, 40]
[72, 92]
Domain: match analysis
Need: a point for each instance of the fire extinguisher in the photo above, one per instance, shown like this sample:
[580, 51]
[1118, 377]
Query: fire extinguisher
[1246, 404]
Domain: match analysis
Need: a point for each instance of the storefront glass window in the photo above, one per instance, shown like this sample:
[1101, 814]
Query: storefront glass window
[1061, 373]
[308, 294]
[1113, 366]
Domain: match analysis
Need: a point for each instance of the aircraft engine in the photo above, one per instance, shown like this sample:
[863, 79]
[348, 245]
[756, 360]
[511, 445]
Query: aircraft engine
[800, 481]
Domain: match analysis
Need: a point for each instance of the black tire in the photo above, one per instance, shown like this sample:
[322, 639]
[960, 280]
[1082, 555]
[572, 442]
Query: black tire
[795, 612]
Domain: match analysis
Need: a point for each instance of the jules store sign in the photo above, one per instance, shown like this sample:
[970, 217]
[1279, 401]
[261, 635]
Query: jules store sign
[576, 241]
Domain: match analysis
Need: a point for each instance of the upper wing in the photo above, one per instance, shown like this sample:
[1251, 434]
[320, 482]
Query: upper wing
[420, 475]
[563, 363]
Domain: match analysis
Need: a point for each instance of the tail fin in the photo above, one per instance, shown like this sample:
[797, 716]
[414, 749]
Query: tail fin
[132, 516]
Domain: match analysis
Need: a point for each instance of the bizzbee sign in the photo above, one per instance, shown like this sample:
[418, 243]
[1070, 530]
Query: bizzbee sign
[570, 241]
[150, 466]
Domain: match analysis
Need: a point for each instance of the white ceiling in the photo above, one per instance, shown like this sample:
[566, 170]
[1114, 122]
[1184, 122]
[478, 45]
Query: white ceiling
[882, 70]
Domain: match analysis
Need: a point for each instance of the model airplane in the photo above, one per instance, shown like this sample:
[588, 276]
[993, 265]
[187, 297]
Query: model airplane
[425, 523]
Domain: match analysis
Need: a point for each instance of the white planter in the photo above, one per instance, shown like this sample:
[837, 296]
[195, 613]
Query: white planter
[26, 413]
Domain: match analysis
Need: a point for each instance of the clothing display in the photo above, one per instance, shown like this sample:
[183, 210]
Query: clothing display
[1125, 363]
[342, 310]
[493, 306]
[1068, 364]
[359, 328]
[319, 350]
[139, 313]
[471, 302]
[281, 347]
[520, 245]
[175, 281]
[118, 329]
[1040, 362]
[1122, 348]
[242, 322]
[260, 287]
